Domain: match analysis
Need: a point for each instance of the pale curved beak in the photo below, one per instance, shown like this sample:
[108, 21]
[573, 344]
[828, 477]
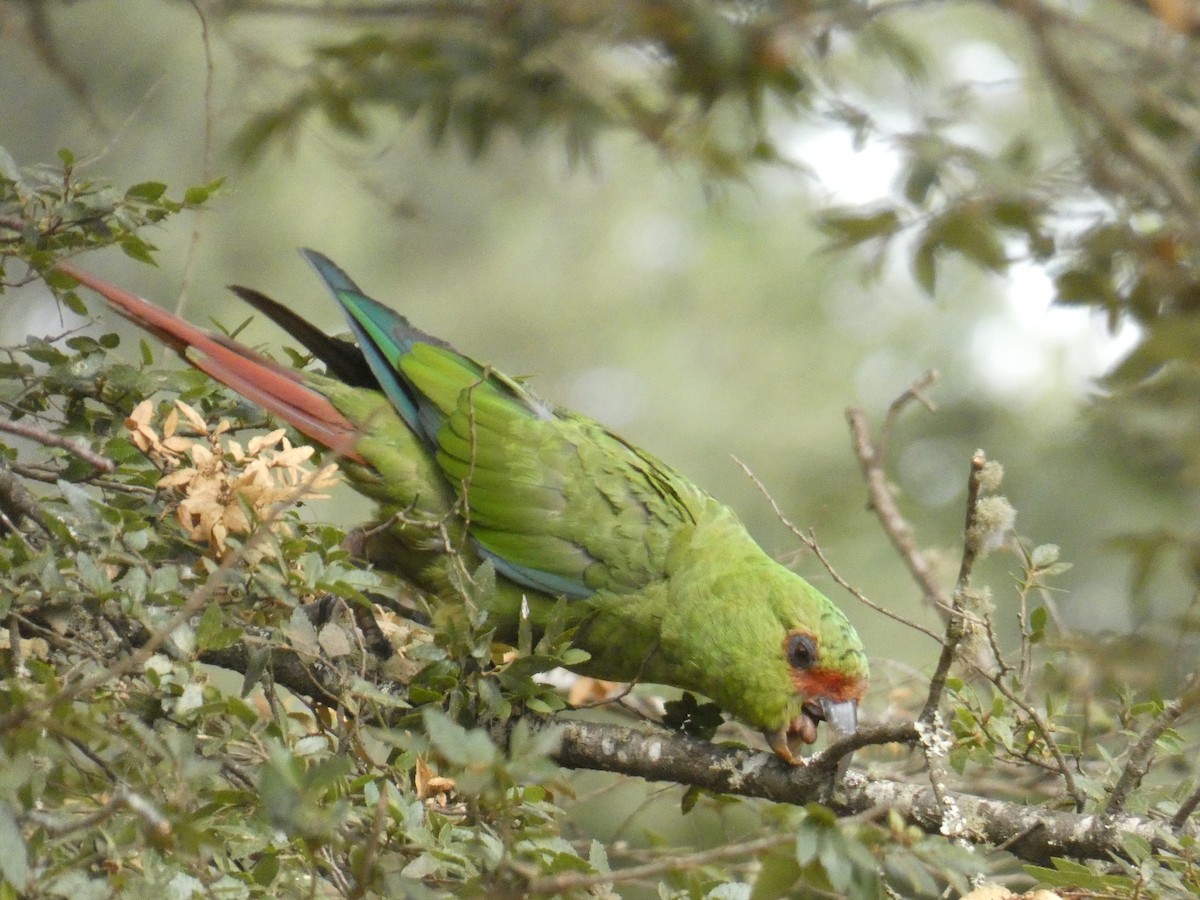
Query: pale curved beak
[841, 717]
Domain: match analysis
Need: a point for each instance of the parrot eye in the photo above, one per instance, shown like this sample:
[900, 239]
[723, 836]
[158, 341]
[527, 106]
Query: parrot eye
[801, 651]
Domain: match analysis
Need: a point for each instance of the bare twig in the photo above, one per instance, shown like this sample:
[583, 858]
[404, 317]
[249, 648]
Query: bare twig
[189, 266]
[440, 9]
[894, 524]
[47, 50]
[914, 391]
[48, 475]
[47, 439]
[954, 626]
[122, 798]
[1140, 757]
[810, 541]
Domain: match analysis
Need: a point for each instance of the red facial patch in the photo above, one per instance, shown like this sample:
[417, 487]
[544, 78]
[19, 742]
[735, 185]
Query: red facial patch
[835, 686]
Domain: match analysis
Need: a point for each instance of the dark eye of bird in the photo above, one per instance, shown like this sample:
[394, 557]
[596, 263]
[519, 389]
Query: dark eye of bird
[801, 651]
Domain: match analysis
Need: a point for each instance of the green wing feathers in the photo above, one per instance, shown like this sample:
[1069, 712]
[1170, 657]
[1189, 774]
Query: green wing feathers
[556, 501]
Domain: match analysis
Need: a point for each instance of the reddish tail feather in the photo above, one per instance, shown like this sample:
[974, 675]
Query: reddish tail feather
[275, 388]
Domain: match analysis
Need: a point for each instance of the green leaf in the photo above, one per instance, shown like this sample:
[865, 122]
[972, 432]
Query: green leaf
[211, 632]
[92, 576]
[148, 191]
[196, 196]
[598, 858]
[457, 745]
[924, 267]
[265, 870]
[573, 656]
[808, 841]
[1044, 555]
[41, 350]
[976, 239]
[835, 860]
[256, 665]
[138, 249]
[848, 229]
[9, 170]
[134, 582]
[1084, 287]
[923, 175]
[776, 877]
[74, 303]
[1037, 624]
[14, 854]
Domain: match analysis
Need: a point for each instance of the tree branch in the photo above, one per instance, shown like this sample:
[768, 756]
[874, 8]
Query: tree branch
[47, 439]
[1033, 833]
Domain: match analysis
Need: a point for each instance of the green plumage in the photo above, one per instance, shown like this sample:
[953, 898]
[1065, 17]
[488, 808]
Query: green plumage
[663, 582]
[666, 584]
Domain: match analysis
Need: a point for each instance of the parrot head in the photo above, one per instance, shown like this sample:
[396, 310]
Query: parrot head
[827, 671]
[758, 639]
[789, 658]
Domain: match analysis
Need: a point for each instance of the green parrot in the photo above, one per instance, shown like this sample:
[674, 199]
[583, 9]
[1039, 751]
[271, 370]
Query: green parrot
[661, 582]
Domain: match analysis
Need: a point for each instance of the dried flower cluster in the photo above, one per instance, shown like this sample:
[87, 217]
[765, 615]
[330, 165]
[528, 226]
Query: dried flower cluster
[227, 487]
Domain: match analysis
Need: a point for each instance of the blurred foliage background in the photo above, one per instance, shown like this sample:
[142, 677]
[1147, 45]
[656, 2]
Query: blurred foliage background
[658, 262]
[713, 227]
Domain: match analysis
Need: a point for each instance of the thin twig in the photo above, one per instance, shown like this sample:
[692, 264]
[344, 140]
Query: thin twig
[894, 524]
[955, 626]
[809, 540]
[1140, 757]
[47, 475]
[914, 391]
[16, 499]
[439, 9]
[189, 266]
[76, 448]
[122, 798]
[46, 48]
[863, 598]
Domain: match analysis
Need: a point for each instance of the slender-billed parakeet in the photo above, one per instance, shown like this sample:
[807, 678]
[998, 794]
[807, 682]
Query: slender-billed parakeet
[663, 584]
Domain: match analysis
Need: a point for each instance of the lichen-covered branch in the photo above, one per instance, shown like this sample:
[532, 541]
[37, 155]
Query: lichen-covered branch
[1034, 833]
